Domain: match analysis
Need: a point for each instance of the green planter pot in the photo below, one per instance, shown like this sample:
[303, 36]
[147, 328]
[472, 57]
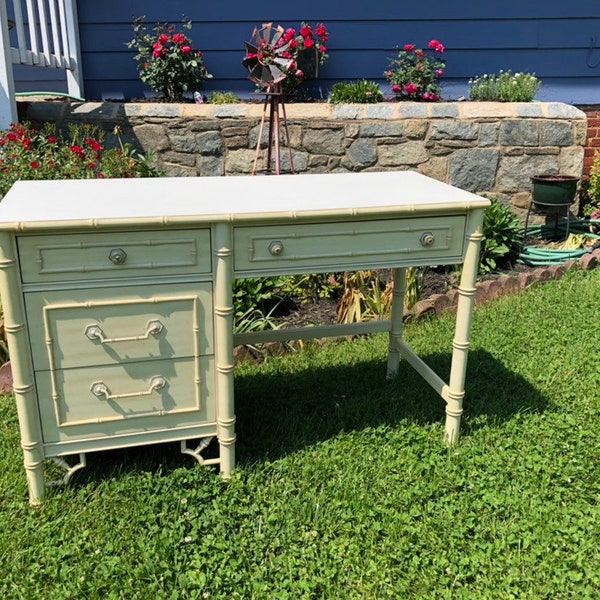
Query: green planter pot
[553, 192]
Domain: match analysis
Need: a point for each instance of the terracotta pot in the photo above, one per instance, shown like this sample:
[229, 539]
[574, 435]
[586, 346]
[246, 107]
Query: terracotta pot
[551, 192]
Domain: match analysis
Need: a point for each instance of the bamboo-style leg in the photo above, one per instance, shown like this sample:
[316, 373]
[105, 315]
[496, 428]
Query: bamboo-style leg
[455, 391]
[22, 372]
[397, 321]
[224, 346]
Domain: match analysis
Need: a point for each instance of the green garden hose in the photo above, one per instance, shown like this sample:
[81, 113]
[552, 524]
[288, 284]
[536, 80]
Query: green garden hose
[541, 257]
[58, 94]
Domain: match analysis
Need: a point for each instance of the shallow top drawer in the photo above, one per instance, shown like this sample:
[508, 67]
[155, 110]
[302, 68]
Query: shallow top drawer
[106, 255]
[348, 245]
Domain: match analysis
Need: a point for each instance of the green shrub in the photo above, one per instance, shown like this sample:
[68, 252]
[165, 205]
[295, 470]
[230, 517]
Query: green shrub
[504, 87]
[361, 92]
[589, 205]
[26, 153]
[253, 302]
[502, 235]
[313, 287]
[223, 98]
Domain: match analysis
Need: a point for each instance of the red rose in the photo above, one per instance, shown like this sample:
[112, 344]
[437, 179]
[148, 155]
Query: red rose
[306, 32]
[322, 32]
[308, 43]
[409, 47]
[93, 144]
[34, 164]
[411, 89]
[436, 46]
[186, 49]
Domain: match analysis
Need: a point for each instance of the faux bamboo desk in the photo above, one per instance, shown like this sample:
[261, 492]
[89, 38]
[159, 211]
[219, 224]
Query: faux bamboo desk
[117, 295]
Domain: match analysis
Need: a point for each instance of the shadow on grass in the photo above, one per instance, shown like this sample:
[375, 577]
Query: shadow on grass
[279, 414]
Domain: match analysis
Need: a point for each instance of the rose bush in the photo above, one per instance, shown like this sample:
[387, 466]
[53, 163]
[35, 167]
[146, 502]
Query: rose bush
[167, 61]
[306, 51]
[26, 153]
[414, 75]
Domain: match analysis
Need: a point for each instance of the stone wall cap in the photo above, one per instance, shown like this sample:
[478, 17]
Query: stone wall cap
[383, 110]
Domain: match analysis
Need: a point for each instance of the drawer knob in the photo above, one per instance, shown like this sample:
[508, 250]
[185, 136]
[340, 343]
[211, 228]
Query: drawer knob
[276, 248]
[117, 256]
[427, 239]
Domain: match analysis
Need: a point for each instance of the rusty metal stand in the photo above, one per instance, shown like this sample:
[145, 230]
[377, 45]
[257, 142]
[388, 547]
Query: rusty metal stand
[274, 99]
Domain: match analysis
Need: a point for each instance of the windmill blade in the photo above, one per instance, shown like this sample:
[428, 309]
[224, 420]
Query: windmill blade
[263, 58]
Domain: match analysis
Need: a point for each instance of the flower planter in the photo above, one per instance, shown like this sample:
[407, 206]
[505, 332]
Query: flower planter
[553, 192]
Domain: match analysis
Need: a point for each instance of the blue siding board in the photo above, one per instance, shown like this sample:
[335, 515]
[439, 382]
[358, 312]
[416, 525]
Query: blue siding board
[273, 10]
[558, 41]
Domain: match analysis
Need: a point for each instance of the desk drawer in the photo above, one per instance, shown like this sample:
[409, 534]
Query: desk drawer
[89, 403]
[107, 255]
[99, 326]
[348, 245]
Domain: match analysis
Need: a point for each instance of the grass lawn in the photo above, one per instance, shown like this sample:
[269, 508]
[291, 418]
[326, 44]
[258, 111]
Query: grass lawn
[344, 487]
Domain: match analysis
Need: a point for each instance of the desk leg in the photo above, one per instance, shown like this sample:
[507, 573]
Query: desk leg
[460, 346]
[224, 347]
[397, 321]
[23, 380]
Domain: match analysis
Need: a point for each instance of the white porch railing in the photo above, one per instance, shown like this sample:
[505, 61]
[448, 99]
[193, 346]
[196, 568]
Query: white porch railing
[46, 35]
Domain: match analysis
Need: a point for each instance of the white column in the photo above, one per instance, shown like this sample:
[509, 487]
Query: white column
[8, 105]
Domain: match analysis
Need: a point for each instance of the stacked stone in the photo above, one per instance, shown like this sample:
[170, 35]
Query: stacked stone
[484, 147]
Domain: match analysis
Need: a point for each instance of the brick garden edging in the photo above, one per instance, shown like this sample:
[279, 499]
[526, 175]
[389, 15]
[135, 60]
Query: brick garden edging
[502, 286]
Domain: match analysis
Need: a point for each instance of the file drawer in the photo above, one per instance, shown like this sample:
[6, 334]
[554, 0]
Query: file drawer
[96, 326]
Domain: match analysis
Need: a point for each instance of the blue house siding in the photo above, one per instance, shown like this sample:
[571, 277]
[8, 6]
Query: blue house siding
[558, 41]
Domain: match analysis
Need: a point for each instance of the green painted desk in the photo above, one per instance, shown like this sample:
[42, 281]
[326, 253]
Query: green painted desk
[117, 295]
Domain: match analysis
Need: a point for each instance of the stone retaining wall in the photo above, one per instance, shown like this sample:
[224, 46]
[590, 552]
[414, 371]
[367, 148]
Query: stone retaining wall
[484, 147]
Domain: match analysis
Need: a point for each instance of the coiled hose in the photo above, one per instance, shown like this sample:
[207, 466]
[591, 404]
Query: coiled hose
[541, 257]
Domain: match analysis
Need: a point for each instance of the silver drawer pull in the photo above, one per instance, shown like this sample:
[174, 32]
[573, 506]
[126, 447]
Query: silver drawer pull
[117, 256]
[276, 248]
[94, 332]
[427, 239]
[99, 388]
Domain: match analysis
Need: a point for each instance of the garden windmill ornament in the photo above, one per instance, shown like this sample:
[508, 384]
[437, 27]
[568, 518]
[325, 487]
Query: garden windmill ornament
[265, 63]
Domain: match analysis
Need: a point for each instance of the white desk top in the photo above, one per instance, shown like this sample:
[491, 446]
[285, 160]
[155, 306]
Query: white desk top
[105, 202]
